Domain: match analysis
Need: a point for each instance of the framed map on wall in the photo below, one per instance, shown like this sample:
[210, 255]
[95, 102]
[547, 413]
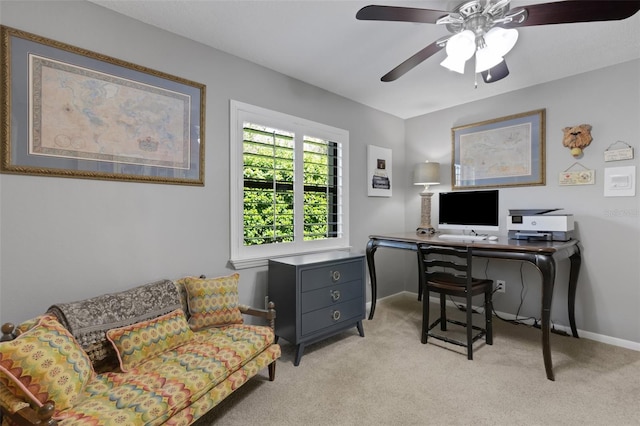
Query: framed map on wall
[70, 112]
[503, 152]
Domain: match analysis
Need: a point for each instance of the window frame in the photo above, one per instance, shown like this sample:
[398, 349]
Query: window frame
[252, 256]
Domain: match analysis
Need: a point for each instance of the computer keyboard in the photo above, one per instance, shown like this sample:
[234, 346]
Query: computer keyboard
[462, 237]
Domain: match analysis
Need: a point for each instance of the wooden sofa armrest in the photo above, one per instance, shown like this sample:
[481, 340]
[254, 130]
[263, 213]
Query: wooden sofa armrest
[269, 314]
[9, 332]
[29, 416]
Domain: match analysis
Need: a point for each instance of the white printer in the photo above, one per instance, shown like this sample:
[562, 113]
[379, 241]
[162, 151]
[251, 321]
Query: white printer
[536, 224]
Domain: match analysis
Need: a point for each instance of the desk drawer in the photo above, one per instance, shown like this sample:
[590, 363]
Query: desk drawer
[336, 273]
[332, 295]
[326, 317]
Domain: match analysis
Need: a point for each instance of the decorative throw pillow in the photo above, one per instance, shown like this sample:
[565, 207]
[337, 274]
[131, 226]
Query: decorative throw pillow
[44, 364]
[213, 302]
[182, 291]
[139, 342]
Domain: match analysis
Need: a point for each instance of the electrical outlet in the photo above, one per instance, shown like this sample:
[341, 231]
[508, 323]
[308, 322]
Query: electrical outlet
[501, 286]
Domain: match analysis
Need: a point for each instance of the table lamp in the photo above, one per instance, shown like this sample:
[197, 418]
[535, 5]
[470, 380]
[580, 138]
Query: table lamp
[426, 174]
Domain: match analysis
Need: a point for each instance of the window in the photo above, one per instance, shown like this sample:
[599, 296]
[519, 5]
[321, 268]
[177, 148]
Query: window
[291, 192]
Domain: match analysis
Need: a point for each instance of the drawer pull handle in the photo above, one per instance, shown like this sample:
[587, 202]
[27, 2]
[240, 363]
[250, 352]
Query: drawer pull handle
[335, 315]
[335, 275]
[335, 295]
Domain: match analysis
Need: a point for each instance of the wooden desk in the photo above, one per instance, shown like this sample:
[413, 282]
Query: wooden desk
[542, 254]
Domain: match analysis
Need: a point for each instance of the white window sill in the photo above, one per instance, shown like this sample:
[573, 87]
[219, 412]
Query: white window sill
[256, 262]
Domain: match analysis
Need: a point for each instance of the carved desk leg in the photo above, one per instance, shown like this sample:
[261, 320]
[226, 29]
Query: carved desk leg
[546, 265]
[576, 260]
[371, 250]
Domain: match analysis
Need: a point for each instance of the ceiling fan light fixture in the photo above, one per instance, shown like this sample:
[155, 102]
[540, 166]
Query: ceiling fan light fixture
[462, 45]
[487, 58]
[454, 64]
[460, 48]
[501, 40]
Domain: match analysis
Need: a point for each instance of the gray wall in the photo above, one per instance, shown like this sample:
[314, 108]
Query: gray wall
[67, 239]
[608, 227]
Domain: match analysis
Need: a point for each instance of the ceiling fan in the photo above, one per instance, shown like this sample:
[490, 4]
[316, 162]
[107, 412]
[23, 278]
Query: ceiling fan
[487, 29]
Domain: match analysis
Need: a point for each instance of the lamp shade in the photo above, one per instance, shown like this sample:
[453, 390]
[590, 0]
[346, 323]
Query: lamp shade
[426, 174]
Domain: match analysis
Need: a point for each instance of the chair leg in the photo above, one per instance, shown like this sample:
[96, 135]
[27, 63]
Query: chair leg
[443, 312]
[425, 316]
[488, 310]
[469, 312]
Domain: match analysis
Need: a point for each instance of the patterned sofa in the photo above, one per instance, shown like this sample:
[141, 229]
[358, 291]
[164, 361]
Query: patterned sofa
[162, 353]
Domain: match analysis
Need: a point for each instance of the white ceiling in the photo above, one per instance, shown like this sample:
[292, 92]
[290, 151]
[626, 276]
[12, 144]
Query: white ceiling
[322, 43]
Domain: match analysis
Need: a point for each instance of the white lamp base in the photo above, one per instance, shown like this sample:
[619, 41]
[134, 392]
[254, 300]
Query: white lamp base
[425, 214]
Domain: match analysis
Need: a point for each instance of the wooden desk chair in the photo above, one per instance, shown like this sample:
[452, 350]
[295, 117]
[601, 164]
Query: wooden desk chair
[448, 271]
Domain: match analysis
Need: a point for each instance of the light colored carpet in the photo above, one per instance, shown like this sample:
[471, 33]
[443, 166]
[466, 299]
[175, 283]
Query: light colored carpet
[390, 378]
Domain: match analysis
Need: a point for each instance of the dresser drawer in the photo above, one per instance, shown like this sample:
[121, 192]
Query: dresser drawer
[326, 317]
[332, 295]
[328, 275]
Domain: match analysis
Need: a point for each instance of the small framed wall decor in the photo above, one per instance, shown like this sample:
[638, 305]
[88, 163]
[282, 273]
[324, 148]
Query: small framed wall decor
[379, 171]
[70, 112]
[584, 176]
[624, 152]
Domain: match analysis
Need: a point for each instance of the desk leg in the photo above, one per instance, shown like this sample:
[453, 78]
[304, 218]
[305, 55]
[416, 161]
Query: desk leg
[547, 267]
[576, 260]
[371, 249]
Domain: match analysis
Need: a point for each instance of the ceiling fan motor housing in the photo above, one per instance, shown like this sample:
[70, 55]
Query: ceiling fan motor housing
[472, 15]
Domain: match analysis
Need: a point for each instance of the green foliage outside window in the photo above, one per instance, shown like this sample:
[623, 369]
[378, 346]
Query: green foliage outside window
[268, 174]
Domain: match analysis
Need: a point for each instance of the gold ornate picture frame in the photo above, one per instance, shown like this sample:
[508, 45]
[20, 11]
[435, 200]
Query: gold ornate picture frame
[70, 112]
[503, 152]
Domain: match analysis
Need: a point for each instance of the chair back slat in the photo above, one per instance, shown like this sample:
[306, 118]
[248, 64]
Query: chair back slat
[446, 276]
[445, 263]
[454, 263]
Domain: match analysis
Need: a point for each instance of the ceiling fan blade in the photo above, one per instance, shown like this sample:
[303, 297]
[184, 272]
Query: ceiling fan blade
[396, 13]
[496, 73]
[412, 62]
[566, 12]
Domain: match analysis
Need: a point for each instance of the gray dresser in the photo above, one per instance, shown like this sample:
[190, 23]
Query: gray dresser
[317, 296]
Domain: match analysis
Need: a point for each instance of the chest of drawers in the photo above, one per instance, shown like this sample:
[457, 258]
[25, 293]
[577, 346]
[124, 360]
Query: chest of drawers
[317, 296]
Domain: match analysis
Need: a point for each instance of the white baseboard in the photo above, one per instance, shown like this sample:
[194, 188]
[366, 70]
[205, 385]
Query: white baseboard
[628, 344]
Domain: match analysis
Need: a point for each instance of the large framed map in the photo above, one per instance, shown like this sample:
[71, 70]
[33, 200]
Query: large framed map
[70, 112]
[503, 152]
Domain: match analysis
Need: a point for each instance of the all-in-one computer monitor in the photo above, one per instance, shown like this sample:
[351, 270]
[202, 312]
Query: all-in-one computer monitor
[469, 211]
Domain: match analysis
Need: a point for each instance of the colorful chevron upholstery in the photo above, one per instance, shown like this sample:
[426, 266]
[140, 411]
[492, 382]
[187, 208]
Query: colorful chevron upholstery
[45, 363]
[213, 302]
[170, 375]
[179, 385]
[136, 343]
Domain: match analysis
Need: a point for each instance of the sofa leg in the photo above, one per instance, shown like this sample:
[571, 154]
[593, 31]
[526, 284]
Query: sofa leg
[272, 371]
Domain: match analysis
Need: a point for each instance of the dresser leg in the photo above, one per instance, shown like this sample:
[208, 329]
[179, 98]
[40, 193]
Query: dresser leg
[299, 352]
[360, 329]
